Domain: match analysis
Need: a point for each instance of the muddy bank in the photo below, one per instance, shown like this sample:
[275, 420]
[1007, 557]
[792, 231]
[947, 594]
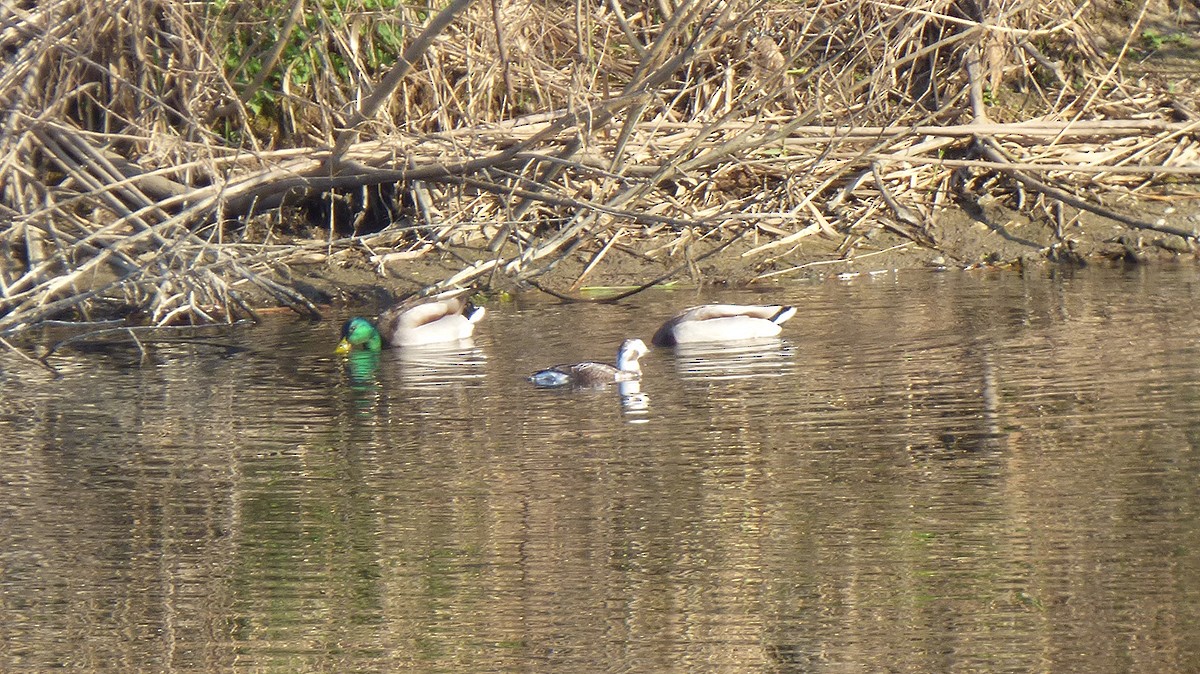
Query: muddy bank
[991, 236]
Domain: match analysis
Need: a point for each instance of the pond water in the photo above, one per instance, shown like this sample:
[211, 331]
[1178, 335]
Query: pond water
[930, 472]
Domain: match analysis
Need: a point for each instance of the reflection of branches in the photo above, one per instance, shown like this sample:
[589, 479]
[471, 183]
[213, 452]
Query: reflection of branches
[151, 334]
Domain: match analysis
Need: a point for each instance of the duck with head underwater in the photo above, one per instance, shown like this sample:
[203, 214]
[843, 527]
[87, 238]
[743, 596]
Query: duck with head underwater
[716, 323]
[443, 321]
[591, 374]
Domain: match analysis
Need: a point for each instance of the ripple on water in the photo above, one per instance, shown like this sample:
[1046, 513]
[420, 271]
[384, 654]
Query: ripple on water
[925, 473]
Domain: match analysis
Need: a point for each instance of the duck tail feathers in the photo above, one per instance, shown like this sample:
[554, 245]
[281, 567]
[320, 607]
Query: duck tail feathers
[784, 314]
[474, 313]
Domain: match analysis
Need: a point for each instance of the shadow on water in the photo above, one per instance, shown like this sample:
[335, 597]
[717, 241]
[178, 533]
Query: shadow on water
[928, 472]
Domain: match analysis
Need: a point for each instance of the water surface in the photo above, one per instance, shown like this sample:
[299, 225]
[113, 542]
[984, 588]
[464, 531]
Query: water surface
[929, 472]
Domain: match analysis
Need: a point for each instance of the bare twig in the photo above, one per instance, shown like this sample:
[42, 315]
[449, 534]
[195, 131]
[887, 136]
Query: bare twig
[993, 153]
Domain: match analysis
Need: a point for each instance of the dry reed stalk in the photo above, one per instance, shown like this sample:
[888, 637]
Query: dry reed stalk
[541, 125]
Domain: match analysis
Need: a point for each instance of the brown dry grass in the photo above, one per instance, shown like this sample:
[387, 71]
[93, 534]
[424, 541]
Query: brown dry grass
[139, 141]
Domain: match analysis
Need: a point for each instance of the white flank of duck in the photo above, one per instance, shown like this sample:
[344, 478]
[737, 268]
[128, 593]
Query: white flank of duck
[722, 323]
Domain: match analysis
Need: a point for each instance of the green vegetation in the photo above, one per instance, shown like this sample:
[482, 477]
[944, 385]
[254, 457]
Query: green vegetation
[1154, 40]
[270, 58]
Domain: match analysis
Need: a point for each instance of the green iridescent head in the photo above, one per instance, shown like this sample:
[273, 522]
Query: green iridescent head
[358, 333]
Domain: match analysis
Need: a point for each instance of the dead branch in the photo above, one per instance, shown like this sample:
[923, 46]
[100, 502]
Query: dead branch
[395, 76]
[540, 128]
[992, 152]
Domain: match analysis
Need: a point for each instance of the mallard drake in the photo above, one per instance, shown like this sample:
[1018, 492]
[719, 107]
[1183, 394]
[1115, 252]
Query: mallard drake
[722, 323]
[436, 322]
[589, 373]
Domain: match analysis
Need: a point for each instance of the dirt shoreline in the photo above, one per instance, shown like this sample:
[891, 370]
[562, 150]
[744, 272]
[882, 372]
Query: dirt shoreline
[992, 237]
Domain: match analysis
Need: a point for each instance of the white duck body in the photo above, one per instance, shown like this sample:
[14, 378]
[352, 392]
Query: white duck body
[723, 323]
[590, 373]
[435, 322]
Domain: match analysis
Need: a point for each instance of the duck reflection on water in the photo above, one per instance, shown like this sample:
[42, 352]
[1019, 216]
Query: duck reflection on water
[428, 366]
[634, 403]
[766, 357]
[438, 364]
